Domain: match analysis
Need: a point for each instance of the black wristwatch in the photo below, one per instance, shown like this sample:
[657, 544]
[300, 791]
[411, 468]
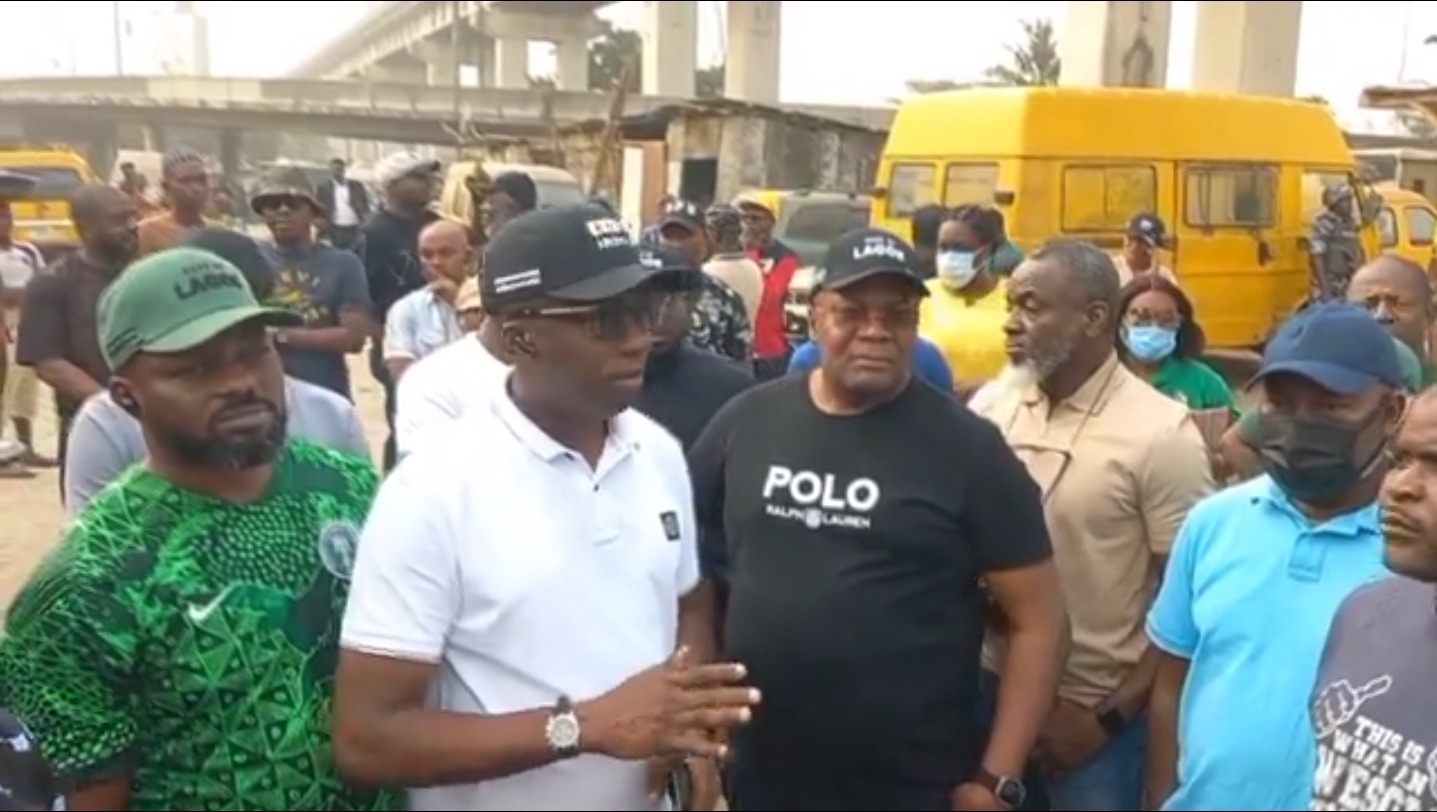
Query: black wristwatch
[1112, 720]
[1010, 791]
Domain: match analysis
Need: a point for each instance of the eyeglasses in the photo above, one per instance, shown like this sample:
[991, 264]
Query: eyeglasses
[852, 317]
[611, 319]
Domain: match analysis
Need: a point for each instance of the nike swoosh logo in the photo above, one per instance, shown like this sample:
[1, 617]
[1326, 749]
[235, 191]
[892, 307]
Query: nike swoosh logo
[200, 612]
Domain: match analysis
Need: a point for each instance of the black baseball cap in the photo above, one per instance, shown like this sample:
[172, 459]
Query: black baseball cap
[867, 252]
[578, 253]
[685, 214]
[669, 269]
[1148, 228]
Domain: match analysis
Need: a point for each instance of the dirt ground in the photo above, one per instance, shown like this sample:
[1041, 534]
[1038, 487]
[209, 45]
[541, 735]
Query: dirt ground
[31, 509]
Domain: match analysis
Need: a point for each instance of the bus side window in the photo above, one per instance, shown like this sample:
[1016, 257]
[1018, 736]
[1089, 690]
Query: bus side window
[909, 187]
[1240, 195]
[1105, 198]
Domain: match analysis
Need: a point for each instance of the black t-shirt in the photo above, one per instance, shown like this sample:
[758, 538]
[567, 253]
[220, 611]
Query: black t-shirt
[388, 245]
[852, 548]
[685, 387]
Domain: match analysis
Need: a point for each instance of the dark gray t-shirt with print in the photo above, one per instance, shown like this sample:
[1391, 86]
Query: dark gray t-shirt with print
[1374, 709]
[319, 283]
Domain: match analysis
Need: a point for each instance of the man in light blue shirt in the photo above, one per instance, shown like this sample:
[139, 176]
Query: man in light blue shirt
[1258, 571]
[427, 319]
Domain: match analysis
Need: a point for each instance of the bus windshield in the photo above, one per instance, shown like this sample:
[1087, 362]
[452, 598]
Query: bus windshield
[51, 182]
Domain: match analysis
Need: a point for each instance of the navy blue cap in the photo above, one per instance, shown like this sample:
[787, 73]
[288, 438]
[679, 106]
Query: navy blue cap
[1149, 228]
[1336, 345]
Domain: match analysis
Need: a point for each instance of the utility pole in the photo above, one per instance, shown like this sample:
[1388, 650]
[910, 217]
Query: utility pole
[456, 50]
[119, 35]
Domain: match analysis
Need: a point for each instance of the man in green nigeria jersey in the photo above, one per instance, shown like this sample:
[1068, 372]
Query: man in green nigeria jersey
[176, 651]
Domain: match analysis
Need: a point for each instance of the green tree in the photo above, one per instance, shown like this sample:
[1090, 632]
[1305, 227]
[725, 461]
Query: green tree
[708, 82]
[622, 48]
[610, 55]
[1034, 61]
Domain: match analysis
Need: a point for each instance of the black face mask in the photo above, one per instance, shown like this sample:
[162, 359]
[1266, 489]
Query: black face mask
[1316, 459]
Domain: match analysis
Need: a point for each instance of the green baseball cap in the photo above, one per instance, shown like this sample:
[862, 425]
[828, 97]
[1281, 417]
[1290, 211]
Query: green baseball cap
[174, 301]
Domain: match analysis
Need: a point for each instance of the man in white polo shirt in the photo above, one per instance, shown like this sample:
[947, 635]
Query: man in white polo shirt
[522, 588]
[441, 386]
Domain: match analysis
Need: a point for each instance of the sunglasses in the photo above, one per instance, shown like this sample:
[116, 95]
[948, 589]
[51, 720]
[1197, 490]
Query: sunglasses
[271, 203]
[611, 319]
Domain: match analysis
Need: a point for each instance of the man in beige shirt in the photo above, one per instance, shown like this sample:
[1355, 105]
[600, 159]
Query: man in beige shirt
[1119, 467]
[1147, 237]
[728, 261]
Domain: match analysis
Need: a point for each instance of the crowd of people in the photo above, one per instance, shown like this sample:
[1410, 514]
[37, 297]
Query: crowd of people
[629, 547]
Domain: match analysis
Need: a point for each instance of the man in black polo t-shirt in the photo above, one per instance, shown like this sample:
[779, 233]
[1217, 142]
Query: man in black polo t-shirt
[852, 512]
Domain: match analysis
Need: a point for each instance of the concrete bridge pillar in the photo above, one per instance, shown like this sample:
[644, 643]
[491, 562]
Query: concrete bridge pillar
[751, 70]
[511, 63]
[102, 148]
[440, 62]
[231, 149]
[1247, 47]
[1116, 43]
[671, 35]
[572, 64]
[153, 138]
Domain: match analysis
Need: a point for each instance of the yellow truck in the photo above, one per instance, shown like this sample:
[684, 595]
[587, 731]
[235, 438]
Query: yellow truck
[43, 217]
[556, 187]
[1236, 178]
[1406, 225]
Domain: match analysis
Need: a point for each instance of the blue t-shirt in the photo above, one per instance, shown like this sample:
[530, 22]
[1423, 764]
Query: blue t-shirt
[928, 363]
[1250, 591]
[320, 283]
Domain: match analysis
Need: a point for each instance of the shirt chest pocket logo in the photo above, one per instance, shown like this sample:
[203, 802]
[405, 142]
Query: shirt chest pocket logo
[670, 521]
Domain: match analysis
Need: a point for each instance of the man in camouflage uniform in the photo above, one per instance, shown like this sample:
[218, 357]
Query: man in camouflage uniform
[720, 320]
[1334, 248]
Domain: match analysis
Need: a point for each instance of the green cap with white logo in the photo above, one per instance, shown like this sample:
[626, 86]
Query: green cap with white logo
[174, 301]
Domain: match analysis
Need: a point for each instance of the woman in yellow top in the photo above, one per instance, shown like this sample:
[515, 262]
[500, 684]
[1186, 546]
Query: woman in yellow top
[1162, 343]
[968, 305]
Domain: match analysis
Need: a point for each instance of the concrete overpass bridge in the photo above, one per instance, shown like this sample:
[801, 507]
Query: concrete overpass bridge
[354, 109]
[341, 108]
[362, 110]
[427, 41]
[1242, 46]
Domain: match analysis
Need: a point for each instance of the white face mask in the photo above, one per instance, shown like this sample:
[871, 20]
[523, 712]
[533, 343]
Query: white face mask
[957, 268]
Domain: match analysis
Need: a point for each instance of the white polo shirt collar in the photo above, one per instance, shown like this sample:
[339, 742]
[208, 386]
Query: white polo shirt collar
[618, 446]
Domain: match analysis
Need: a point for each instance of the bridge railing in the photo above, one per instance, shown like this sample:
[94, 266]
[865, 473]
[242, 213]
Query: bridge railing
[304, 95]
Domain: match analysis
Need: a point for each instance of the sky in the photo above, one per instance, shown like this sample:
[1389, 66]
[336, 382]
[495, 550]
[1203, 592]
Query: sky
[1345, 45]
